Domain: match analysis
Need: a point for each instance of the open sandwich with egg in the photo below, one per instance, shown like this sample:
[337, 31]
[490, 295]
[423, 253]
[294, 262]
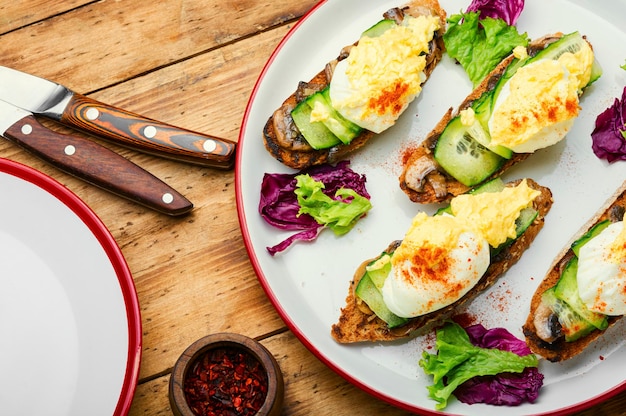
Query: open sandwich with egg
[443, 262]
[360, 93]
[584, 292]
[528, 102]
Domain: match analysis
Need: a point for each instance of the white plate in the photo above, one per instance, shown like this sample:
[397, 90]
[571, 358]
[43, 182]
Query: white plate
[308, 283]
[69, 315]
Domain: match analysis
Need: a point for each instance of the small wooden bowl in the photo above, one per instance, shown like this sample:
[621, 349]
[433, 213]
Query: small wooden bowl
[273, 402]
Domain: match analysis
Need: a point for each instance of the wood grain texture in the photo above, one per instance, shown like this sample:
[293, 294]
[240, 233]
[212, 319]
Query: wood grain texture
[193, 64]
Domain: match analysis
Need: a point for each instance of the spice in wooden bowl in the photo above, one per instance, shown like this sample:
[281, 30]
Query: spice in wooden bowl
[226, 374]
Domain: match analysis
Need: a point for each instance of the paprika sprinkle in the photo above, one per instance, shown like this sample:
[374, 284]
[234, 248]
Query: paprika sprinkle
[225, 382]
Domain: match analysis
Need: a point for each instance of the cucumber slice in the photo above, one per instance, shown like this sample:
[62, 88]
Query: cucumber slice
[479, 134]
[571, 42]
[379, 28]
[596, 72]
[573, 325]
[345, 130]
[494, 185]
[367, 291]
[594, 231]
[480, 129]
[567, 290]
[506, 76]
[315, 133]
[379, 270]
[464, 158]
[525, 219]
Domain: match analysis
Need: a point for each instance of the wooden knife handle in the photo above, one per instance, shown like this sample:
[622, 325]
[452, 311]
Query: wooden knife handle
[147, 135]
[97, 165]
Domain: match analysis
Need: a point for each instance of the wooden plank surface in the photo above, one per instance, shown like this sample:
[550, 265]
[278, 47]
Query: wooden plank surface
[191, 63]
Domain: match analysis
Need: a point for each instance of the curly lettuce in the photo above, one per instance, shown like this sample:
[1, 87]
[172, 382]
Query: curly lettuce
[481, 366]
[480, 44]
[320, 197]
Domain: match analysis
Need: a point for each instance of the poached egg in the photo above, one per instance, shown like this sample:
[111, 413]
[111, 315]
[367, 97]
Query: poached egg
[602, 271]
[382, 75]
[442, 257]
[537, 107]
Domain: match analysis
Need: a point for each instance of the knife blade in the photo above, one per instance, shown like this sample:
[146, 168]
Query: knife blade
[90, 162]
[46, 98]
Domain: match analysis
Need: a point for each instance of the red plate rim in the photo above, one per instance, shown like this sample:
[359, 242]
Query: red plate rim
[108, 243]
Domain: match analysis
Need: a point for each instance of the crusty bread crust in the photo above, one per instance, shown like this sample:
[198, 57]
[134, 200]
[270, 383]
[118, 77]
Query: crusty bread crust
[561, 350]
[297, 153]
[357, 323]
[428, 194]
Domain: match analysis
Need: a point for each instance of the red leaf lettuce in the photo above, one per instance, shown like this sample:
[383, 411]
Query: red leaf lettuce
[507, 10]
[609, 135]
[279, 205]
[509, 389]
[481, 366]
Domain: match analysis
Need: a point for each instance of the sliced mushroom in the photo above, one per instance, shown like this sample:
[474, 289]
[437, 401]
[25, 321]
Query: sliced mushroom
[439, 183]
[547, 324]
[415, 176]
[287, 134]
[395, 14]
[616, 213]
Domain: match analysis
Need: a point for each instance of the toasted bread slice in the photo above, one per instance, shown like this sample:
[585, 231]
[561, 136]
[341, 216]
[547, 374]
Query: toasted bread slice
[561, 350]
[358, 323]
[422, 179]
[285, 143]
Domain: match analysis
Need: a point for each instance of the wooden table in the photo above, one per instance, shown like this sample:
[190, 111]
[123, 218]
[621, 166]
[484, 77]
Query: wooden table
[191, 63]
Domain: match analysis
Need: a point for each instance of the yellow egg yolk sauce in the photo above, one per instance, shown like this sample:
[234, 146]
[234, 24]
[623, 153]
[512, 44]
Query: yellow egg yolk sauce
[387, 69]
[541, 95]
[493, 214]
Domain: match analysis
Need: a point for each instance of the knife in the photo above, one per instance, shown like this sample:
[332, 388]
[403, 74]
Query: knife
[42, 97]
[90, 161]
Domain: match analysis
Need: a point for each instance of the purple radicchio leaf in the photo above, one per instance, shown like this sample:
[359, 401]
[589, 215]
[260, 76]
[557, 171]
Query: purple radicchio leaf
[507, 10]
[608, 141]
[506, 389]
[279, 206]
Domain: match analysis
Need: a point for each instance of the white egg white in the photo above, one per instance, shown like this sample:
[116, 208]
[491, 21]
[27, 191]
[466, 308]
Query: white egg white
[602, 280]
[468, 261]
[342, 90]
[546, 136]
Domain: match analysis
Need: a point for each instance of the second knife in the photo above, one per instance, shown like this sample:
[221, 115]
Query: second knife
[90, 161]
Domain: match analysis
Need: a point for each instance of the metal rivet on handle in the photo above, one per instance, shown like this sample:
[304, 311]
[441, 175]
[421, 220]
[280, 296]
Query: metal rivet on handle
[92, 113]
[167, 198]
[149, 131]
[27, 129]
[69, 150]
[209, 145]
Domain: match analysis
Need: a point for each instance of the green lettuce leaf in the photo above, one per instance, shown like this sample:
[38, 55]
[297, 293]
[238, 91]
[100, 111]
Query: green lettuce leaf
[458, 360]
[479, 45]
[339, 214]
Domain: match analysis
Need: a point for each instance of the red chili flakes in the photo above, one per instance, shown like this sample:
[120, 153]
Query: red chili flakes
[225, 382]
